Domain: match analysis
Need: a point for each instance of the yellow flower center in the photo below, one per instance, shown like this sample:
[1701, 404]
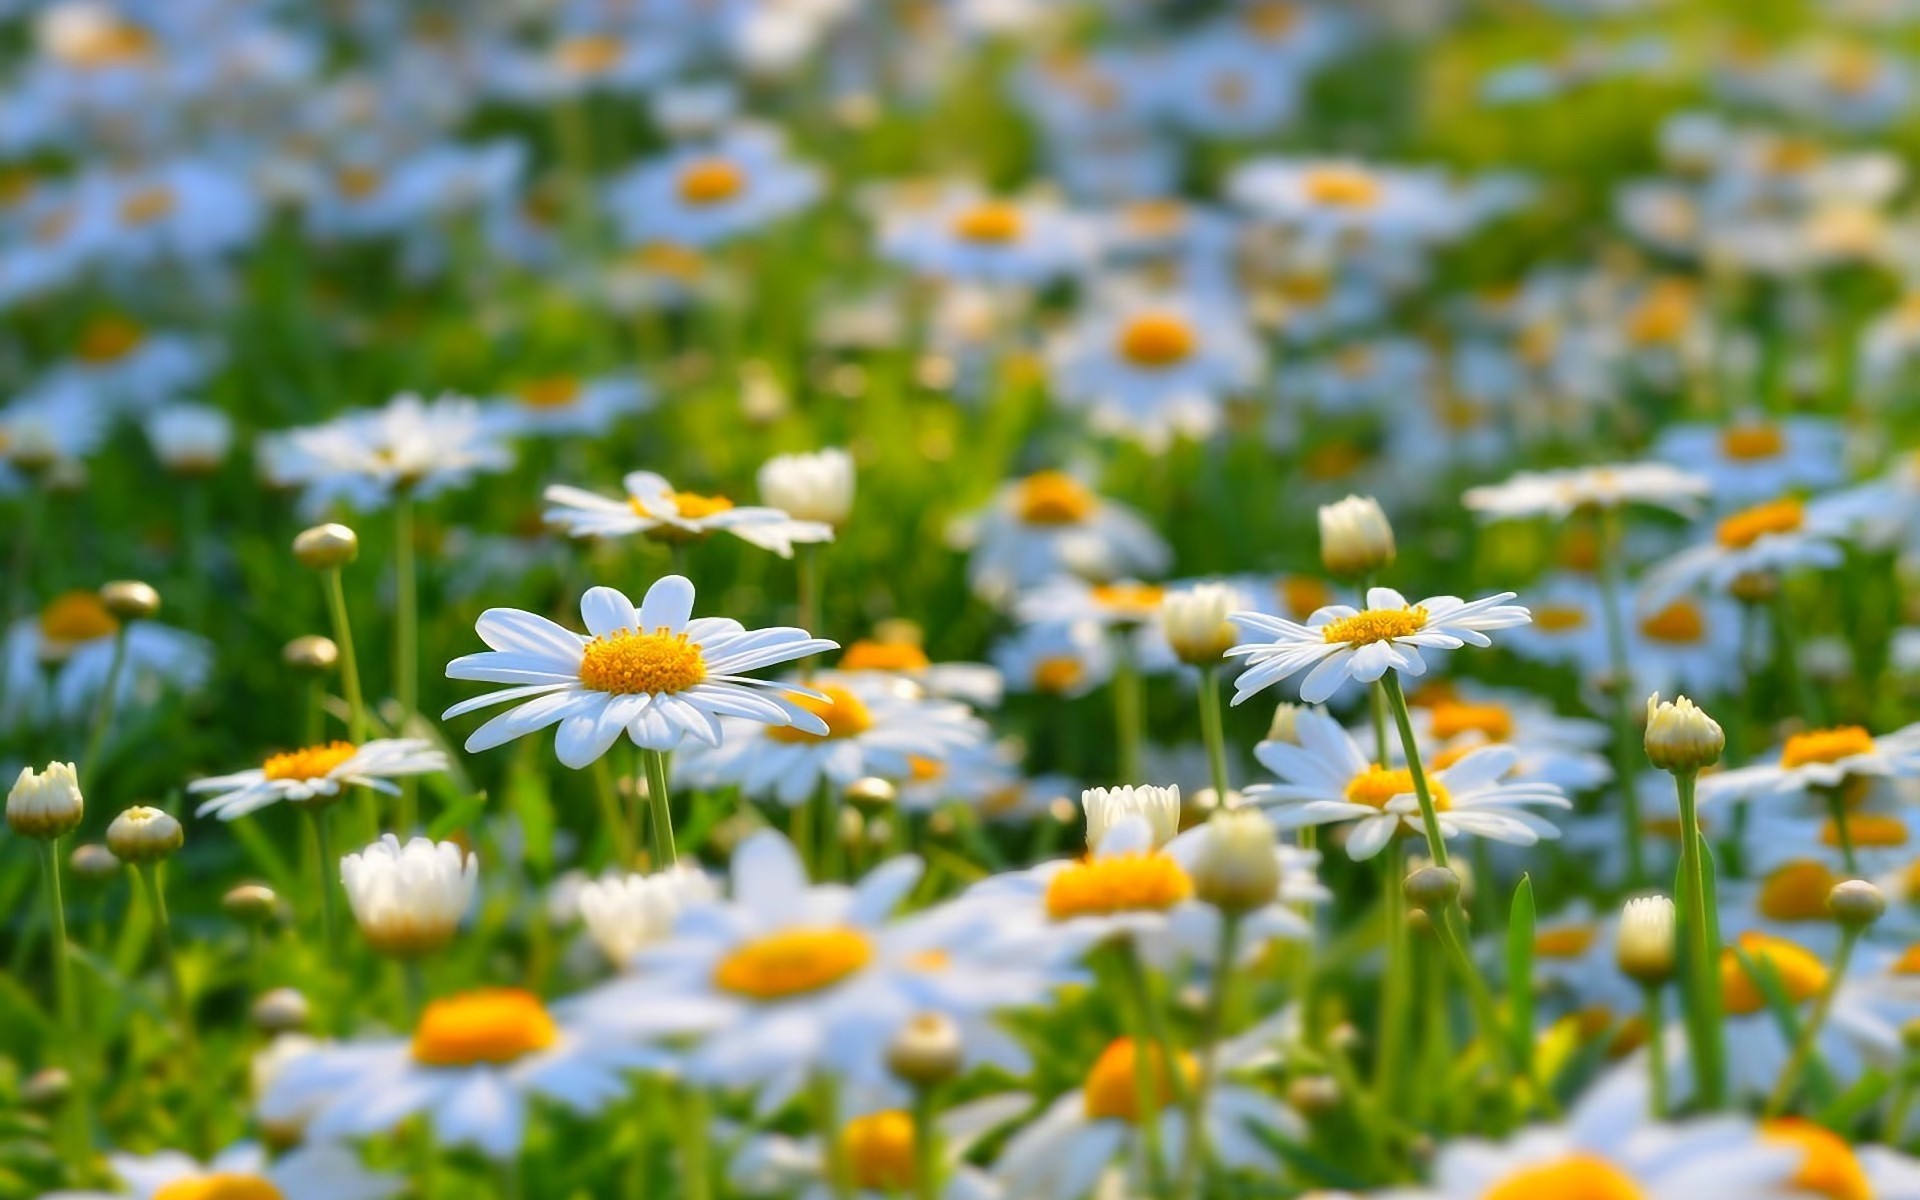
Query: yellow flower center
[77, 616]
[1851, 70]
[1492, 721]
[1749, 525]
[1156, 340]
[1136, 600]
[1749, 443]
[357, 183]
[589, 54]
[921, 769]
[225, 1185]
[148, 205]
[555, 391]
[312, 762]
[1662, 316]
[1271, 20]
[1059, 674]
[1559, 618]
[846, 716]
[1801, 973]
[1303, 595]
[1099, 887]
[1866, 829]
[1113, 1089]
[1796, 891]
[1568, 941]
[490, 1025]
[1053, 498]
[1342, 187]
[1909, 961]
[688, 506]
[994, 222]
[878, 1151]
[108, 339]
[869, 655]
[1825, 746]
[115, 45]
[793, 962]
[1375, 625]
[1376, 785]
[711, 181]
[1680, 623]
[1575, 1177]
[628, 663]
[1830, 1168]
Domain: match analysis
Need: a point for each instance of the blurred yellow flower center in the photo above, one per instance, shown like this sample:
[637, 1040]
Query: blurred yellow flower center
[1376, 785]
[867, 655]
[224, 1185]
[77, 617]
[1681, 623]
[1866, 829]
[1053, 498]
[555, 391]
[1909, 961]
[1059, 674]
[1271, 19]
[1098, 887]
[1493, 721]
[490, 1025]
[793, 962]
[1748, 443]
[627, 663]
[921, 769]
[1559, 618]
[1568, 941]
[147, 205]
[878, 1151]
[1113, 1090]
[589, 54]
[846, 716]
[1342, 187]
[1375, 625]
[108, 339]
[1801, 973]
[1157, 340]
[111, 45]
[312, 762]
[994, 223]
[357, 183]
[1575, 1177]
[1303, 595]
[1748, 526]
[1796, 891]
[1851, 70]
[1140, 600]
[1830, 1168]
[1663, 316]
[1825, 746]
[693, 506]
[711, 181]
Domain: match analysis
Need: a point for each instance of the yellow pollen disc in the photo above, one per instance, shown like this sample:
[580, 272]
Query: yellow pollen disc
[878, 1151]
[556, 391]
[1138, 600]
[924, 770]
[1099, 887]
[357, 183]
[114, 46]
[930, 961]
[148, 205]
[1796, 891]
[1152, 218]
[846, 716]
[1851, 71]
[1909, 961]
[108, 339]
[226, 1185]
[869, 655]
[1375, 625]
[628, 663]
[1559, 618]
[1053, 498]
[1800, 972]
[490, 1025]
[1569, 941]
[1749, 443]
[1058, 675]
[1376, 785]
[1663, 316]
[1157, 340]
[1749, 525]
[76, 617]
[1113, 1089]
[994, 223]
[1866, 829]
[1303, 595]
[793, 962]
[1342, 187]
[1493, 721]
[1575, 1177]
[1681, 623]
[313, 762]
[1825, 746]
[1271, 19]
[711, 181]
[1830, 1168]
[590, 54]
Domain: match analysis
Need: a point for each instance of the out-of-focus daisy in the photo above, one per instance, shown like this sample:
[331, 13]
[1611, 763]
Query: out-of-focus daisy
[58, 662]
[416, 445]
[1766, 539]
[322, 1171]
[1327, 779]
[1753, 459]
[1562, 493]
[704, 194]
[877, 1148]
[624, 914]
[970, 238]
[1153, 368]
[318, 773]
[189, 439]
[655, 672]
[1821, 758]
[1055, 659]
[975, 683]
[1050, 523]
[560, 405]
[1546, 746]
[1329, 198]
[654, 509]
[1340, 642]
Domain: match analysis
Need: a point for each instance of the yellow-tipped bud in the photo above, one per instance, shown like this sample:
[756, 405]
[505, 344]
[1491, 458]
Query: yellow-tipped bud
[45, 804]
[1356, 538]
[1644, 946]
[326, 547]
[1681, 737]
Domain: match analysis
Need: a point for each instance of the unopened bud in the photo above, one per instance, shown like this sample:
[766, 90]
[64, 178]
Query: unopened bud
[1856, 903]
[326, 547]
[45, 804]
[311, 653]
[872, 792]
[130, 599]
[1432, 887]
[1356, 538]
[1285, 726]
[1237, 869]
[1644, 948]
[144, 835]
[91, 862]
[1314, 1095]
[927, 1051]
[254, 903]
[1681, 737]
[1195, 622]
[46, 1088]
[282, 1010]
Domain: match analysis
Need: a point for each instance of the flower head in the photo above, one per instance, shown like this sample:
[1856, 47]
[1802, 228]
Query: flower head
[45, 804]
[408, 900]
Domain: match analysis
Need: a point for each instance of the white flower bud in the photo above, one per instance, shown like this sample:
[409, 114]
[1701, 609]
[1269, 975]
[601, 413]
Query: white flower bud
[1237, 869]
[1355, 537]
[810, 487]
[1644, 946]
[408, 900]
[143, 835]
[45, 804]
[1195, 622]
[927, 1051]
[190, 439]
[326, 547]
[1856, 903]
[1680, 737]
[1285, 726]
[625, 913]
[1107, 807]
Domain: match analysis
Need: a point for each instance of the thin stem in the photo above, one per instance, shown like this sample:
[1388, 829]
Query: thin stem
[1625, 766]
[76, 1122]
[1837, 809]
[1653, 1018]
[1394, 975]
[406, 642]
[1194, 1169]
[1213, 730]
[926, 1146]
[324, 867]
[1429, 817]
[826, 1116]
[103, 709]
[1804, 693]
[149, 877]
[656, 767]
[349, 666]
[698, 1184]
[1810, 1028]
[1703, 955]
[1128, 712]
[1893, 1130]
[618, 823]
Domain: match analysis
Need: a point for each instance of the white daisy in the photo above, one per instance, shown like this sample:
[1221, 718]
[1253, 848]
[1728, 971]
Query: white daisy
[58, 662]
[655, 672]
[704, 194]
[1049, 524]
[318, 773]
[363, 457]
[1752, 459]
[1766, 539]
[969, 238]
[974, 683]
[321, 1171]
[1055, 659]
[655, 510]
[1562, 493]
[877, 1146]
[1328, 198]
[561, 405]
[1547, 747]
[1821, 758]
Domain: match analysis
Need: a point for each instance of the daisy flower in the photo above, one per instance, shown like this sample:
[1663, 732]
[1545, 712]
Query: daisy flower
[974, 683]
[317, 773]
[1574, 956]
[877, 1146]
[1753, 459]
[1547, 747]
[1049, 524]
[1340, 642]
[1327, 779]
[655, 672]
[969, 238]
[412, 445]
[1767, 539]
[1058, 659]
[653, 509]
[1330, 198]
[1821, 758]
[58, 662]
[705, 194]
[563, 405]
[322, 1171]
[1560, 494]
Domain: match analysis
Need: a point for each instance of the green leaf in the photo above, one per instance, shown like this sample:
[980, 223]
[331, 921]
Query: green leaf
[458, 815]
[1520, 936]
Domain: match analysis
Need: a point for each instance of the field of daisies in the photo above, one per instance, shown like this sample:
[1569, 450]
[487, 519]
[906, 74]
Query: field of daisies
[960, 599]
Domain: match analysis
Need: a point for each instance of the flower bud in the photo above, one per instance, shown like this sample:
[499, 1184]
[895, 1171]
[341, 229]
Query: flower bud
[45, 804]
[312, 653]
[326, 547]
[872, 792]
[1355, 537]
[1195, 622]
[1107, 807]
[1314, 1095]
[408, 900]
[144, 835]
[1237, 869]
[810, 487]
[625, 913]
[253, 903]
[927, 1051]
[1432, 887]
[1680, 737]
[1856, 904]
[282, 1010]
[130, 599]
[46, 1089]
[1644, 945]
[91, 862]
[1285, 725]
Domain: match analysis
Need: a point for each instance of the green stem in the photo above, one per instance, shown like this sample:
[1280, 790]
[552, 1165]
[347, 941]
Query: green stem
[103, 709]
[1213, 730]
[826, 1116]
[1837, 809]
[406, 643]
[149, 877]
[1626, 765]
[1804, 694]
[656, 767]
[1193, 1173]
[1656, 1051]
[810, 581]
[1810, 1028]
[619, 824]
[1128, 712]
[74, 1130]
[1394, 975]
[1429, 817]
[324, 867]
[1893, 1131]
[698, 1184]
[926, 1147]
[1703, 955]
[349, 665]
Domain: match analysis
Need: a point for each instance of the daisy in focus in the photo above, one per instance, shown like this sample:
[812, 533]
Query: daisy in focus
[317, 773]
[654, 509]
